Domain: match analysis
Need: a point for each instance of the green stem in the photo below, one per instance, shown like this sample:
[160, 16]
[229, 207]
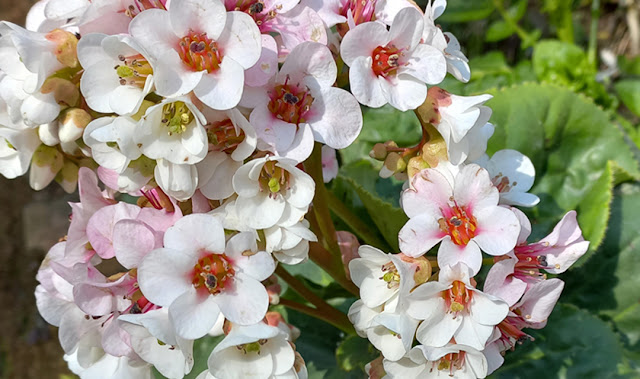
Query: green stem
[487, 261]
[593, 33]
[346, 327]
[329, 258]
[527, 39]
[322, 310]
[361, 229]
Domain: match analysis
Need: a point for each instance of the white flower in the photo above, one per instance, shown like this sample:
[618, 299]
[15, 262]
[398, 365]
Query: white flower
[111, 142]
[176, 180]
[451, 361]
[513, 174]
[289, 244]
[461, 211]
[392, 66]
[153, 339]
[173, 130]
[198, 276]
[197, 46]
[116, 75]
[272, 191]
[255, 351]
[457, 63]
[16, 149]
[232, 139]
[453, 308]
[301, 105]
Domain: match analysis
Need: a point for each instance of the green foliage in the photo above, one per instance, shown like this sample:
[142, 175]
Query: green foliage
[629, 93]
[354, 353]
[501, 29]
[570, 142]
[574, 344]
[465, 10]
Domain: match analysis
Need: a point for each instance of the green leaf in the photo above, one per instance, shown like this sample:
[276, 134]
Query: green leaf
[569, 140]
[499, 30]
[311, 272]
[609, 283]
[561, 63]
[574, 344]
[387, 218]
[465, 10]
[593, 212]
[629, 93]
[354, 353]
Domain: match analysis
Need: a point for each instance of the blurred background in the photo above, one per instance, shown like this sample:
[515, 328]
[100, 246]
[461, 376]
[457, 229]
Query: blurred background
[596, 44]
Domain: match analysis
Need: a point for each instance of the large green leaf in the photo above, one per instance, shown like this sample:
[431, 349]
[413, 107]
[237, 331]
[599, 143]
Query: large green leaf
[570, 141]
[609, 284]
[574, 344]
[629, 93]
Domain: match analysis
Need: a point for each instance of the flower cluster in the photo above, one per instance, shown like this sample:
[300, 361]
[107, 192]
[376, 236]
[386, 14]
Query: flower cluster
[220, 119]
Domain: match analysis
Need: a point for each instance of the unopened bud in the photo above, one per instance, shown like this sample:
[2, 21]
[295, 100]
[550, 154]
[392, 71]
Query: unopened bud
[375, 369]
[423, 268]
[415, 165]
[48, 133]
[45, 164]
[379, 152]
[349, 245]
[273, 289]
[68, 176]
[65, 92]
[66, 46]
[395, 163]
[72, 124]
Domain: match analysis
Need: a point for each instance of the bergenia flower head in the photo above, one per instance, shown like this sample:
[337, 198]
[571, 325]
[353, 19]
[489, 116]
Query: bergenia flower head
[392, 66]
[461, 211]
[198, 46]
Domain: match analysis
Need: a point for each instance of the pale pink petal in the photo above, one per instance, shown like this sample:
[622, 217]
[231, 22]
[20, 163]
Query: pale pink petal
[222, 89]
[487, 309]
[361, 41]
[267, 64]
[498, 230]
[429, 193]
[100, 227]
[163, 275]
[193, 314]
[340, 120]
[451, 254]
[309, 60]
[199, 232]
[406, 29]
[405, 92]
[208, 16]
[500, 282]
[241, 39]
[420, 234]
[367, 88]
[426, 64]
[132, 240]
[538, 302]
[245, 302]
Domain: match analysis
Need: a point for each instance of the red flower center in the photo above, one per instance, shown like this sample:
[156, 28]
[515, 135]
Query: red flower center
[459, 225]
[452, 362]
[290, 103]
[199, 52]
[254, 8]
[222, 136]
[212, 273]
[385, 60]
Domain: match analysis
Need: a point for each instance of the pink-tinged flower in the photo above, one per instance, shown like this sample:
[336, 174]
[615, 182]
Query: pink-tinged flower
[451, 361]
[513, 174]
[117, 76]
[392, 66]
[349, 246]
[198, 276]
[329, 164]
[516, 272]
[302, 105]
[111, 142]
[532, 311]
[463, 214]
[293, 23]
[197, 46]
[457, 63]
[91, 200]
[272, 192]
[453, 308]
[356, 12]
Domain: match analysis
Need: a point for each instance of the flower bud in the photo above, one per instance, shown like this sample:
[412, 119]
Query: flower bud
[415, 165]
[375, 369]
[48, 133]
[72, 124]
[68, 176]
[378, 152]
[394, 164]
[64, 91]
[423, 269]
[45, 164]
[66, 46]
[349, 245]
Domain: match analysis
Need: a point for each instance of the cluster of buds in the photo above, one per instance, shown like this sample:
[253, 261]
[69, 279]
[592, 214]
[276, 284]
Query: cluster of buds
[210, 113]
